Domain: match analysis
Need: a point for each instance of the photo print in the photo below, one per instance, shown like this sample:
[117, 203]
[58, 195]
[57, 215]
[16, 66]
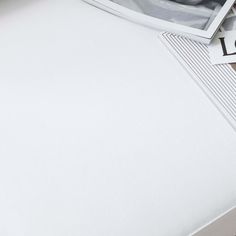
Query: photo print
[193, 13]
[195, 19]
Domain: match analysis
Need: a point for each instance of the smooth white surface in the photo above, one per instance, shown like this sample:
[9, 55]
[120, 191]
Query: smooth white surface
[102, 131]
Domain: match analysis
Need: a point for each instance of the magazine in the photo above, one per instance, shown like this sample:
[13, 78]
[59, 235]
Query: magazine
[196, 19]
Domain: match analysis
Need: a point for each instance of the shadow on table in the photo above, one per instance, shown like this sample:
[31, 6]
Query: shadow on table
[7, 6]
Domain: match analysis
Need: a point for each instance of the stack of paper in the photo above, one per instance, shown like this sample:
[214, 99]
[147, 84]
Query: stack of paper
[212, 66]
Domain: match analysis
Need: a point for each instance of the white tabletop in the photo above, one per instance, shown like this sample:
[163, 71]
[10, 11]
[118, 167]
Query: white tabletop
[102, 132]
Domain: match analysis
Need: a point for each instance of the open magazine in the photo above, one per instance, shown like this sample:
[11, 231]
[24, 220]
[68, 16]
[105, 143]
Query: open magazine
[196, 19]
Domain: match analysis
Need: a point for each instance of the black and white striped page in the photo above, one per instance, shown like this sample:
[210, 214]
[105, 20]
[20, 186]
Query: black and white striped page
[217, 81]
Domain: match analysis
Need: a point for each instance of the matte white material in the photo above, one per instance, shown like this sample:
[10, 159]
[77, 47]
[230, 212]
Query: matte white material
[102, 131]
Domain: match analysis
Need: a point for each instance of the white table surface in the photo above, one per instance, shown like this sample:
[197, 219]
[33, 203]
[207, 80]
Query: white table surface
[102, 132]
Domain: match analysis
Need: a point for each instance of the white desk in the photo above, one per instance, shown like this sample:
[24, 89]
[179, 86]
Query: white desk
[102, 132]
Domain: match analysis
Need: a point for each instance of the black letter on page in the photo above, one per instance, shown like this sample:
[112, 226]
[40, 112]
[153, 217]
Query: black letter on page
[225, 53]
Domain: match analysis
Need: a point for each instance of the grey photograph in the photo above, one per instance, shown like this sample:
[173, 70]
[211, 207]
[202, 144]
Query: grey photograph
[197, 14]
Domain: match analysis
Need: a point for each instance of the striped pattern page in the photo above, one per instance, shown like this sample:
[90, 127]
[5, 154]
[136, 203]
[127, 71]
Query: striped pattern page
[217, 81]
